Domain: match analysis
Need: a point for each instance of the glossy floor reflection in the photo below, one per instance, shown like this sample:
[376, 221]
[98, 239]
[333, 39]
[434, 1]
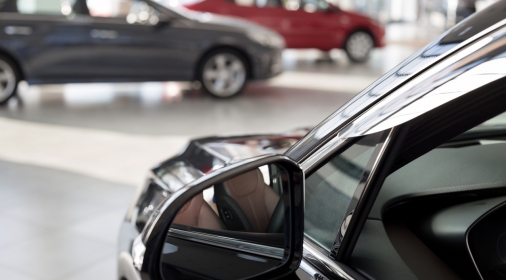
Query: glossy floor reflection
[72, 154]
[58, 225]
[308, 91]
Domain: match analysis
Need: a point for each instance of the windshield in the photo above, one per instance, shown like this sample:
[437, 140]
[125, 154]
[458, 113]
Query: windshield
[496, 122]
[495, 126]
[175, 7]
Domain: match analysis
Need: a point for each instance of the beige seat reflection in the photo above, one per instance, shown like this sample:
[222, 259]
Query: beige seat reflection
[250, 198]
[197, 213]
[244, 203]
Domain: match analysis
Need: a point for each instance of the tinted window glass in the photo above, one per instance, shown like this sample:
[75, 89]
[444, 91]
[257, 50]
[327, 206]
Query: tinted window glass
[50, 7]
[329, 191]
[246, 3]
[292, 5]
[268, 3]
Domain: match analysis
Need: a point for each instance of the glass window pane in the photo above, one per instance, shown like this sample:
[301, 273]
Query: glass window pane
[246, 3]
[109, 8]
[49, 7]
[330, 189]
[268, 3]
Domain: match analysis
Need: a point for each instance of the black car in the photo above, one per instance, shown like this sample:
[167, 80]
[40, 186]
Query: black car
[135, 41]
[405, 181]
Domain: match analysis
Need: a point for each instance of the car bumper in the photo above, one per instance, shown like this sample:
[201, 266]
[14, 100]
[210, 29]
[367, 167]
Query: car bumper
[126, 270]
[266, 64]
[379, 37]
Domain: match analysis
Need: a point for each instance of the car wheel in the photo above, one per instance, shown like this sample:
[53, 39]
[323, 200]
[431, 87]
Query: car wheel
[223, 73]
[358, 46]
[9, 79]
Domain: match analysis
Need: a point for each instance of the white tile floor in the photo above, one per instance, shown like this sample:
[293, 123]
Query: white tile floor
[52, 231]
[71, 155]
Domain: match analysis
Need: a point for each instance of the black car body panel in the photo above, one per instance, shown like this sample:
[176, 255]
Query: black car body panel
[207, 154]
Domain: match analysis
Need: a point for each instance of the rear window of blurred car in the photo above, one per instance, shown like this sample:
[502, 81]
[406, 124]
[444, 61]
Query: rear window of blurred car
[49, 7]
[109, 8]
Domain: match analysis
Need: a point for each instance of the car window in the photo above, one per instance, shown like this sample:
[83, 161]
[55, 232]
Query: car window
[245, 3]
[269, 3]
[330, 190]
[109, 8]
[310, 6]
[426, 220]
[292, 5]
[49, 7]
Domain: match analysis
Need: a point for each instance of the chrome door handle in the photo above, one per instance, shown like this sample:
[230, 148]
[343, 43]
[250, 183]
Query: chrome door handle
[18, 30]
[103, 34]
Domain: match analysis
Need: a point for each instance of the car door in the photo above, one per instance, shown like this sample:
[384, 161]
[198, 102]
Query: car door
[48, 43]
[270, 14]
[303, 24]
[315, 25]
[123, 45]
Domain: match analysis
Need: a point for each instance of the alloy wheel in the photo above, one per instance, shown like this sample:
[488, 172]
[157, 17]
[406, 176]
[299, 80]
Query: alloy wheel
[7, 81]
[224, 74]
[359, 45]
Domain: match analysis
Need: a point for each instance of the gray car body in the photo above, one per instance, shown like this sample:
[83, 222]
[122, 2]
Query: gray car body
[62, 49]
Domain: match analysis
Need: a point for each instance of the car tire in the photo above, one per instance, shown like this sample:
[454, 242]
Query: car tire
[358, 46]
[9, 79]
[223, 73]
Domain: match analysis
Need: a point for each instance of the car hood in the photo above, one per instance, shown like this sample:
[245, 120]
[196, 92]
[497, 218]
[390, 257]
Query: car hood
[202, 156]
[357, 15]
[221, 21]
[231, 22]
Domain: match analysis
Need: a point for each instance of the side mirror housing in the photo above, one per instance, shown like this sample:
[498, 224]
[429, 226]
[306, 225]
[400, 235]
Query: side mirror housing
[239, 222]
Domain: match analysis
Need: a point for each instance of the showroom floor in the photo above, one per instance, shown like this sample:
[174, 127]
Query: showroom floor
[71, 155]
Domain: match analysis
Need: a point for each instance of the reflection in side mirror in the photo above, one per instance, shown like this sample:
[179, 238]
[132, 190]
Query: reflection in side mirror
[234, 229]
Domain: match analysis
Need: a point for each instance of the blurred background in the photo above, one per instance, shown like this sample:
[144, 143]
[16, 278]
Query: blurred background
[72, 154]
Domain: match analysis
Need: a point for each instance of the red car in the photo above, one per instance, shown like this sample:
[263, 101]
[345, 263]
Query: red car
[306, 23]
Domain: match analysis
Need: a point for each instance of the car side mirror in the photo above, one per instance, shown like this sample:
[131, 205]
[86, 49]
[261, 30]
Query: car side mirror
[242, 221]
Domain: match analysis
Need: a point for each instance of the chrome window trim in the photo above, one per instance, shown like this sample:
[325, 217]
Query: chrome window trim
[316, 251]
[426, 85]
[330, 147]
[307, 268]
[318, 263]
[343, 118]
[227, 243]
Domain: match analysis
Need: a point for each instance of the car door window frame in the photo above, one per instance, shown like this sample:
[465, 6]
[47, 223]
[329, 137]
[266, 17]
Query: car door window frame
[338, 183]
[365, 194]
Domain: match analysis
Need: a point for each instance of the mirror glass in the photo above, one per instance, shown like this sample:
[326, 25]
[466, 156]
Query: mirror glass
[231, 230]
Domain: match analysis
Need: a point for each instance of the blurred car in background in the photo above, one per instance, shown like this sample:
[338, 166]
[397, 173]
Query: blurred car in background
[306, 23]
[81, 41]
